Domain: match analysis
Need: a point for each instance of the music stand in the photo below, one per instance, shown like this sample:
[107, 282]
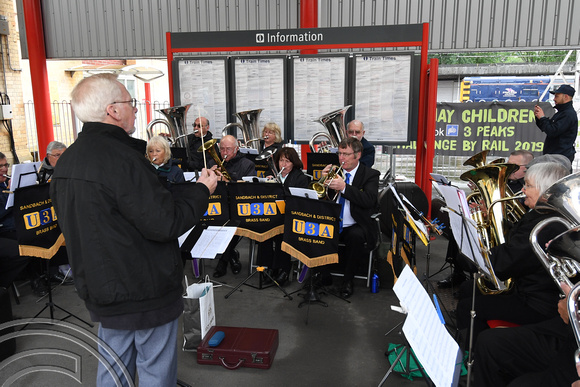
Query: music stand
[38, 238]
[439, 360]
[189, 240]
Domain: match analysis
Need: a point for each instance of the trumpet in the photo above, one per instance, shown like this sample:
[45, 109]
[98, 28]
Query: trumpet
[321, 186]
[210, 147]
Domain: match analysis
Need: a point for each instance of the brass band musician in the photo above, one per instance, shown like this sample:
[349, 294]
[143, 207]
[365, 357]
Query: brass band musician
[358, 192]
[534, 295]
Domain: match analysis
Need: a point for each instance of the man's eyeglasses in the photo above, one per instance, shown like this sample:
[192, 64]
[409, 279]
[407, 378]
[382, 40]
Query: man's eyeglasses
[132, 101]
[227, 148]
[55, 156]
[199, 126]
[7, 165]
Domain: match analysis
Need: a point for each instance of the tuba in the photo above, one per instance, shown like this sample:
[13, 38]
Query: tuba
[209, 146]
[561, 258]
[175, 122]
[335, 127]
[249, 126]
[493, 225]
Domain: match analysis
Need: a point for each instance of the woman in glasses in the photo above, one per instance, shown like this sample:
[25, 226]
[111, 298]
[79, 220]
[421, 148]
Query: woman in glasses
[53, 152]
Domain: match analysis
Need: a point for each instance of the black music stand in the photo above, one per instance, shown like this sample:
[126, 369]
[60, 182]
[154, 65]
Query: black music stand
[190, 242]
[261, 270]
[45, 244]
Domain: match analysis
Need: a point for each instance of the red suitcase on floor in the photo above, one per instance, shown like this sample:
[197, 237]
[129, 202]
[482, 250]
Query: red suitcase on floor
[240, 347]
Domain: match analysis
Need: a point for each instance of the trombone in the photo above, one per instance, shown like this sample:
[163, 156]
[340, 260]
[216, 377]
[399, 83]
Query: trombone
[210, 147]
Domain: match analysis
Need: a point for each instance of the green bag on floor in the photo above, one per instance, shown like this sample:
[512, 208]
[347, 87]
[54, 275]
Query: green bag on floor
[407, 366]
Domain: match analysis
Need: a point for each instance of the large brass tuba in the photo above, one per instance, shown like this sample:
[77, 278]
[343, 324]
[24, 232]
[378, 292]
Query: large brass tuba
[250, 128]
[561, 258]
[492, 222]
[335, 128]
[175, 123]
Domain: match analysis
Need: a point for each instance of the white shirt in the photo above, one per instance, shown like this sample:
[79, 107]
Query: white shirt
[347, 219]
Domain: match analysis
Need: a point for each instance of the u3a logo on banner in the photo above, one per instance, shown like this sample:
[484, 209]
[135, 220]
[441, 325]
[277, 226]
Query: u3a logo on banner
[257, 209]
[322, 230]
[39, 218]
[213, 209]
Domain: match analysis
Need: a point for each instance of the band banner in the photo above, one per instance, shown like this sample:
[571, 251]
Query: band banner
[464, 129]
[218, 210]
[36, 224]
[315, 163]
[259, 207]
[311, 230]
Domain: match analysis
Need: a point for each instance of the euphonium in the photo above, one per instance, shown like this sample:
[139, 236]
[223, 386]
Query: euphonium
[335, 128]
[493, 227]
[321, 186]
[175, 122]
[268, 155]
[560, 259]
[209, 146]
[249, 126]
[562, 256]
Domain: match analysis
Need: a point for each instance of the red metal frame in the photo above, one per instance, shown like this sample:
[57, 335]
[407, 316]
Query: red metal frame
[427, 86]
[38, 73]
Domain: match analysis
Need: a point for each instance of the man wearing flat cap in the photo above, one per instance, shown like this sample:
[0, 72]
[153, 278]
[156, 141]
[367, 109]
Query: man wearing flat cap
[562, 128]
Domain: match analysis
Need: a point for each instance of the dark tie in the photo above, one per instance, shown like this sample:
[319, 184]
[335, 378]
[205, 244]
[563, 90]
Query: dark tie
[342, 200]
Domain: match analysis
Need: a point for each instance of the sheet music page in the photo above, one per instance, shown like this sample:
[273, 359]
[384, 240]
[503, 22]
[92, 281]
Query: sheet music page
[428, 337]
[213, 240]
[304, 193]
[23, 175]
[467, 238]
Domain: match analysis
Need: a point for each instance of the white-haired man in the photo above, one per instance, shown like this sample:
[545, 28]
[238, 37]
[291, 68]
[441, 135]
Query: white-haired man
[121, 227]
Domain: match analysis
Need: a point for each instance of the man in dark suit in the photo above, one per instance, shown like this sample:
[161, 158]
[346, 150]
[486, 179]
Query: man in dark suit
[358, 193]
[195, 140]
[356, 128]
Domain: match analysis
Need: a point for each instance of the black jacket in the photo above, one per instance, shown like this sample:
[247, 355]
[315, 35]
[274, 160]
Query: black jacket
[561, 131]
[363, 196]
[171, 172]
[238, 167]
[368, 153]
[516, 259]
[196, 158]
[296, 178]
[120, 224]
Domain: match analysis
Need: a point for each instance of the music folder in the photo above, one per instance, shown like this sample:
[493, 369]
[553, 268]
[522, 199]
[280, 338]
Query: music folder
[206, 242]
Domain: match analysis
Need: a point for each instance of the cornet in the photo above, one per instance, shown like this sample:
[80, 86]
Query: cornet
[321, 186]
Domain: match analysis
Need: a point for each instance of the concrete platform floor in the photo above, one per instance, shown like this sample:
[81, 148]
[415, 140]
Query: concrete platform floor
[339, 345]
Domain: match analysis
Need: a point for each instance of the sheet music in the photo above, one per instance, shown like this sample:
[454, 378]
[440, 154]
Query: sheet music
[467, 238]
[304, 192]
[428, 337]
[213, 241]
[23, 175]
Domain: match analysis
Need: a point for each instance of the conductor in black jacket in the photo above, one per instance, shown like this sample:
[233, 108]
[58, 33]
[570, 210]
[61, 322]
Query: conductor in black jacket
[121, 227]
[360, 191]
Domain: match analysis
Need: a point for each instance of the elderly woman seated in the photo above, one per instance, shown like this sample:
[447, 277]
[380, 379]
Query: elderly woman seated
[534, 295]
[159, 153]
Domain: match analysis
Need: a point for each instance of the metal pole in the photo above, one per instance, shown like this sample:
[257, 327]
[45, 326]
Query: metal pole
[38, 73]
